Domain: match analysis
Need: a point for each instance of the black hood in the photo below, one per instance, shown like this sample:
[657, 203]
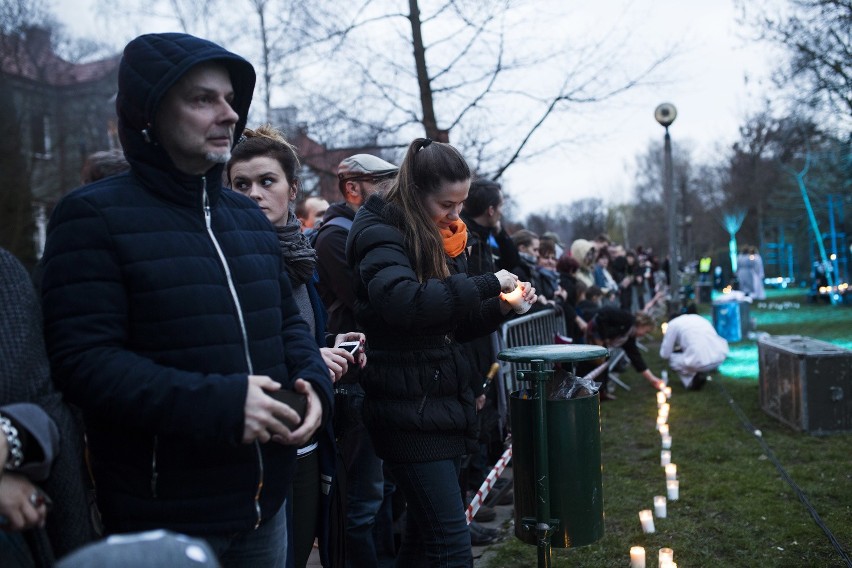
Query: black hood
[150, 66]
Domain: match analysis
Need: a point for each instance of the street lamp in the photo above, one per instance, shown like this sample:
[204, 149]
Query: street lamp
[665, 115]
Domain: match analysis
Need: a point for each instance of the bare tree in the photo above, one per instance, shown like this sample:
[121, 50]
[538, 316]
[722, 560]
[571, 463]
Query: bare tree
[816, 34]
[481, 72]
[472, 71]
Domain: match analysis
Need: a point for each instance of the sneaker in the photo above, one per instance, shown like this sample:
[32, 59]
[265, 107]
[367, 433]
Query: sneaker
[485, 514]
[480, 537]
[488, 531]
[496, 499]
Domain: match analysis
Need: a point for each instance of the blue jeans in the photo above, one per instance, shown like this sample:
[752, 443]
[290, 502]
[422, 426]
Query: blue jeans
[265, 547]
[367, 531]
[436, 532]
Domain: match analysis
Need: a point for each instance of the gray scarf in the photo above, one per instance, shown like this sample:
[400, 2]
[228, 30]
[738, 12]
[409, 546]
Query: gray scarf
[296, 250]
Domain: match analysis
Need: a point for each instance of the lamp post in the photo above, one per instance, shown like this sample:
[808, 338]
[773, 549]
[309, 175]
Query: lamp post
[665, 115]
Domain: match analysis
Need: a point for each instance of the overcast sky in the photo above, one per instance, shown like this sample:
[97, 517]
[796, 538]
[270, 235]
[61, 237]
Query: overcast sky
[708, 86]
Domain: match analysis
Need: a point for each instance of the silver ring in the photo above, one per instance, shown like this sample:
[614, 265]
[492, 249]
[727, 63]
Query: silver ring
[35, 499]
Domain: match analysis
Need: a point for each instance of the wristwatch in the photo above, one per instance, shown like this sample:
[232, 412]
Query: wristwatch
[16, 450]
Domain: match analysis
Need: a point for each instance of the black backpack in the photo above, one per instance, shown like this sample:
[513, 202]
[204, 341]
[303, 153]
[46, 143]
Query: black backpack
[313, 233]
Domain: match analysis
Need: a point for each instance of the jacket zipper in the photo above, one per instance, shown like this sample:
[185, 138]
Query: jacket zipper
[427, 390]
[236, 299]
[154, 473]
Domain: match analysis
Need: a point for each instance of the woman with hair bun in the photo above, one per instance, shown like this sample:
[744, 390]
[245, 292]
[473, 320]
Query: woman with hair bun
[264, 167]
[415, 302]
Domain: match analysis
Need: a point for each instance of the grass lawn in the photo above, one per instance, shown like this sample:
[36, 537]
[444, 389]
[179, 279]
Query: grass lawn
[735, 509]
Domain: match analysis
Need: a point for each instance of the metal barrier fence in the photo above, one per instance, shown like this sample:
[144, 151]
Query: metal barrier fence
[539, 328]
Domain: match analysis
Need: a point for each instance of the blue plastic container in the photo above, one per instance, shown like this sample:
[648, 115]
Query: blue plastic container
[728, 320]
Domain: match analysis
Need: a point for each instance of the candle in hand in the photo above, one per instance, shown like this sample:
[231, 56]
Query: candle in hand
[515, 298]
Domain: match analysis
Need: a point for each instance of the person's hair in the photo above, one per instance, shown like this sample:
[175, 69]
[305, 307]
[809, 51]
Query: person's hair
[483, 194]
[546, 247]
[301, 210]
[267, 141]
[593, 292]
[426, 167]
[103, 164]
[567, 264]
[644, 320]
[603, 253]
[523, 238]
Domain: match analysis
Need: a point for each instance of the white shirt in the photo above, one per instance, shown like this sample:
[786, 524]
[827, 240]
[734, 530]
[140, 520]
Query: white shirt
[701, 345]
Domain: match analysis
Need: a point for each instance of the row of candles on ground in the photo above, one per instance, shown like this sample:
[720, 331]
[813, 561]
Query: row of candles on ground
[637, 553]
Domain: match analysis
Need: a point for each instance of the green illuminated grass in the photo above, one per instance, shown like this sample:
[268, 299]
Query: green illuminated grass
[735, 508]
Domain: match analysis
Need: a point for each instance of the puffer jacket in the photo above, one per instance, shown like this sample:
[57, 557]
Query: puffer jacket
[162, 292]
[419, 405]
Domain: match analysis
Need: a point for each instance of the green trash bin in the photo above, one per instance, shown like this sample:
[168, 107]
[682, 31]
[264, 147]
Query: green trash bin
[574, 476]
[556, 454]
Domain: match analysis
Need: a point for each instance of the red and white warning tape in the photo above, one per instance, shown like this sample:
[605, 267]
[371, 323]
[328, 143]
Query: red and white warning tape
[488, 484]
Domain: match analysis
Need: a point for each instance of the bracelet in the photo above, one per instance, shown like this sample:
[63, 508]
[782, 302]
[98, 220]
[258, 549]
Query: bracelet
[16, 451]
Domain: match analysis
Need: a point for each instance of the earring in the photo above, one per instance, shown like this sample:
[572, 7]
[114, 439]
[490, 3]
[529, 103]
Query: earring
[146, 136]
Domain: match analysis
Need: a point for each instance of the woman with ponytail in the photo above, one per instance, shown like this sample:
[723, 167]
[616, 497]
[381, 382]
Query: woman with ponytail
[415, 302]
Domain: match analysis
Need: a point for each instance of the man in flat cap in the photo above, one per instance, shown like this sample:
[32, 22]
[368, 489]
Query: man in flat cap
[367, 538]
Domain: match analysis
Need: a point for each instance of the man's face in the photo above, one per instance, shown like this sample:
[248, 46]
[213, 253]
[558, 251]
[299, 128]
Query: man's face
[496, 214]
[315, 210]
[195, 121]
[358, 191]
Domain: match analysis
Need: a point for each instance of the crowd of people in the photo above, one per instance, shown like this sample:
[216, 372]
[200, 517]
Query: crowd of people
[257, 372]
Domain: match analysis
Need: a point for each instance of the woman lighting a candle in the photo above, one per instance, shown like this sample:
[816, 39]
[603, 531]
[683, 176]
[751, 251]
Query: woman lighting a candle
[415, 303]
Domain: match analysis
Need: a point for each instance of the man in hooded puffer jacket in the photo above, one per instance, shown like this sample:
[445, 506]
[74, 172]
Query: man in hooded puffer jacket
[169, 318]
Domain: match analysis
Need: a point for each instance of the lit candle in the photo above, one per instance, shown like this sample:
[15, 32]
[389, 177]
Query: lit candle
[660, 506]
[668, 392]
[667, 441]
[661, 421]
[666, 556]
[637, 557]
[647, 520]
[673, 489]
[664, 409]
[665, 457]
[661, 398]
[515, 298]
[664, 429]
[671, 471]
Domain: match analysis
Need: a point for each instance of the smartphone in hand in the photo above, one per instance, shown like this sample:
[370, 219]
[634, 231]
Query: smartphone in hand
[295, 400]
[351, 346]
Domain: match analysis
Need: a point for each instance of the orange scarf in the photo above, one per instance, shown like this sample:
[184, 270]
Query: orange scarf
[455, 238]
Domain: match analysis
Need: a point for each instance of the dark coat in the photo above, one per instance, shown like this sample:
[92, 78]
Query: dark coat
[25, 377]
[162, 292]
[419, 405]
[614, 326]
[336, 283]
